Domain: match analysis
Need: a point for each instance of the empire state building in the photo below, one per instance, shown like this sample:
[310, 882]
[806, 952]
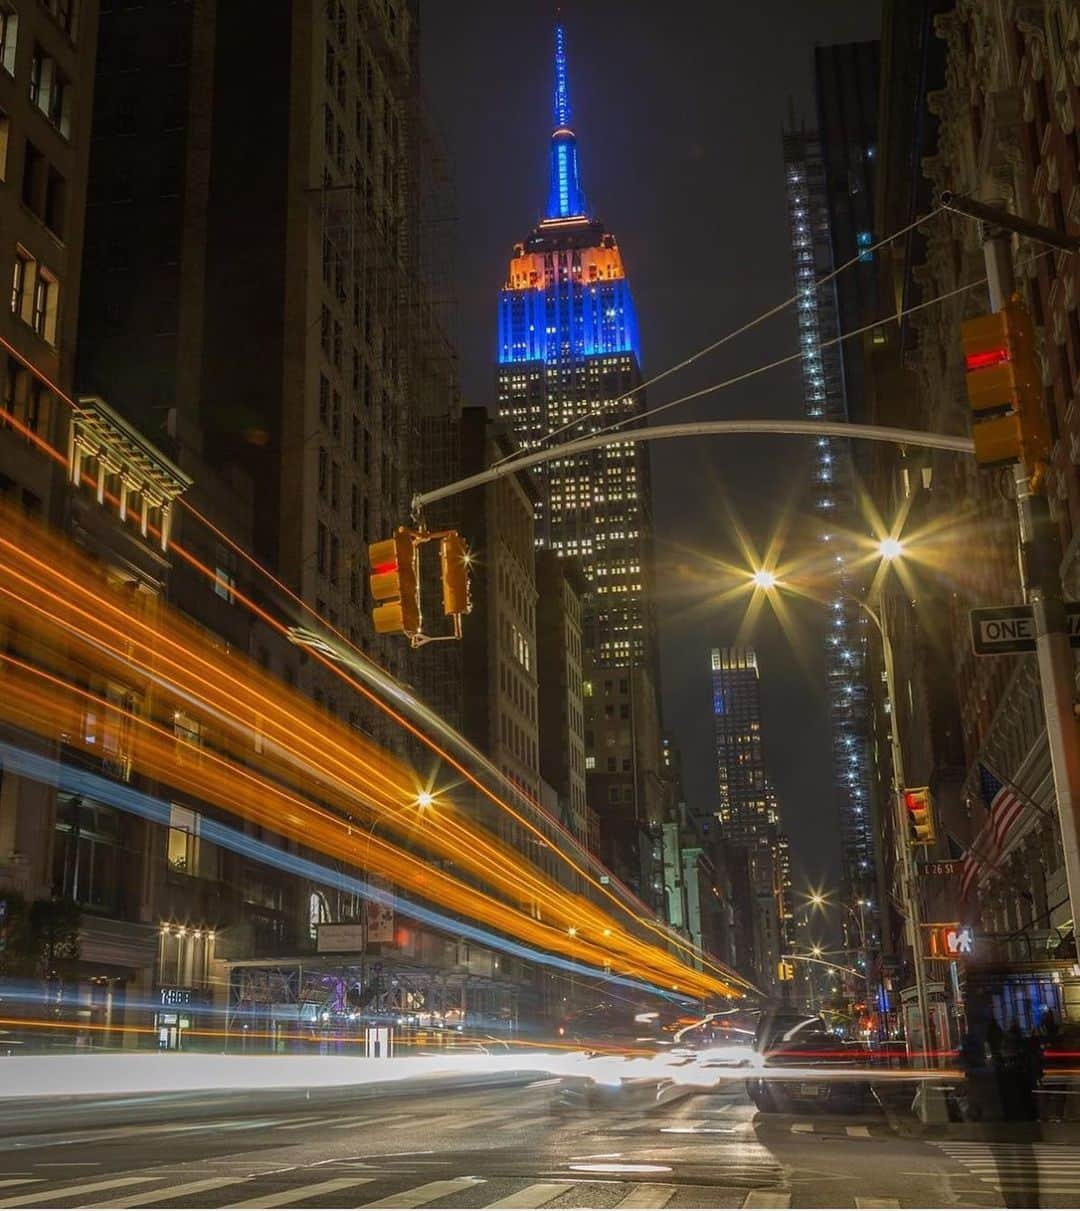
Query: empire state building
[568, 366]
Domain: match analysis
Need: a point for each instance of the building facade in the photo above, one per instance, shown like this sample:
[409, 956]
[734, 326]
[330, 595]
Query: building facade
[747, 809]
[994, 120]
[560, 587]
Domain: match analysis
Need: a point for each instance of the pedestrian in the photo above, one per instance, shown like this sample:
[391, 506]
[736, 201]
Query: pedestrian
[994, 1038]
[973, 1064]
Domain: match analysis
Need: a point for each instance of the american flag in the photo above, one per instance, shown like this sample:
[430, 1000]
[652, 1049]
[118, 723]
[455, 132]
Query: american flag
[969, 872]
[1005, 805]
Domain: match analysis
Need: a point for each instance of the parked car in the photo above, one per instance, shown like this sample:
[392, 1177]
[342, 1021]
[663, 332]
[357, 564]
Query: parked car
[789, 1038]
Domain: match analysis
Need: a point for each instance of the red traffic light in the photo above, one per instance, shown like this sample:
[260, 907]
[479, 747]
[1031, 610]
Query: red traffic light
[989, 357]
[913, 800]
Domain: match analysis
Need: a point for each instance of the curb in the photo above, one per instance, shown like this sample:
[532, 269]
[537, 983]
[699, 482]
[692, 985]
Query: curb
[994, 1132]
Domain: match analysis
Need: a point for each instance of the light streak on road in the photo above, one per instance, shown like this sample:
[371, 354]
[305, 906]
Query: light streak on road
[34, 1076]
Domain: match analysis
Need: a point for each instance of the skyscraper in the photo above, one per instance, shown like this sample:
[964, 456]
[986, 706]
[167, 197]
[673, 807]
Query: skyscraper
[569, 365]
[829, 179]
[747, 806]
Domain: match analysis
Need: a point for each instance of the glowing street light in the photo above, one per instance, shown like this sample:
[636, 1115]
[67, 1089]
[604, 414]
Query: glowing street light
[425, 799]
[764, 579]
[890, 548]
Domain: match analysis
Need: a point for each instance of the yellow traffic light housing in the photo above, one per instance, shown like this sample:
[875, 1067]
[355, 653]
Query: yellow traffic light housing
[1004, 387]
[455, 560]
[920, 813]
[395, 584]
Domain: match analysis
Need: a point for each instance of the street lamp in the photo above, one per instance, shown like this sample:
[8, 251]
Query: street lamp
[891, 549]
[764, 579]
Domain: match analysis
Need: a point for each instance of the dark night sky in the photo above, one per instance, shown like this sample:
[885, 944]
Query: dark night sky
[679, 113]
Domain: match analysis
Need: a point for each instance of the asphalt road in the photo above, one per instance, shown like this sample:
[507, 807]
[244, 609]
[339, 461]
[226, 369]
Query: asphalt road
[512, 1144]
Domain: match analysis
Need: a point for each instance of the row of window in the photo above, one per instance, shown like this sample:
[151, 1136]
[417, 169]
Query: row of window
[521, 745]
[35, 295]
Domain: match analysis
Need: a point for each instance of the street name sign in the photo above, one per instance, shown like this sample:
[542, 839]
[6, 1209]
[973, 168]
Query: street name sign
[947, 867]
[1007, 630]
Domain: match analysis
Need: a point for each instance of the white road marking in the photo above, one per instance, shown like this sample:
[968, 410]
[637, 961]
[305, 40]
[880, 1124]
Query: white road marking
[349, 1124]
[59, 1192]
[802, 1128]
[290, 1197]
[145, 1198]
[430, 1192]
[648, 1194]
[535, 1195]
[876, 1202]
[768, 1198]
[517, 1123]
[861, 1132]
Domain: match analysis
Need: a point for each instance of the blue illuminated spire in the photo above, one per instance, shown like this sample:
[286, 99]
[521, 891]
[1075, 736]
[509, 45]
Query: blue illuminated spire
[565, 197]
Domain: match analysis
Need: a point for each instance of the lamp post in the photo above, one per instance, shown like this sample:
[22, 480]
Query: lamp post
[909, 894]
[890, 549]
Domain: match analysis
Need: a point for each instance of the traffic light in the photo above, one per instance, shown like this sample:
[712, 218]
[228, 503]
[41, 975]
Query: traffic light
[920, 814]
[1004, 387]
[395, 584]
[454, 557]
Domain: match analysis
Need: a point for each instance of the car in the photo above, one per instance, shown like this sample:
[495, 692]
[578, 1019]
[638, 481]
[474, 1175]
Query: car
[794, 1039]
[724, 1039]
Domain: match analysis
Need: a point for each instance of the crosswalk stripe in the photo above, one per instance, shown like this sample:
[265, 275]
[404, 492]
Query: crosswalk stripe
[430, 1192]
[768, 1198]
[802, 1128]
[876, 1202]
[59, 1192]
[350, 1123]
[532, 1120]
[648, 1194]
[1046, 1167]
[464, 1123]
[290, 1197]
[535, 1195]
[144, 1198]
[858, 1131]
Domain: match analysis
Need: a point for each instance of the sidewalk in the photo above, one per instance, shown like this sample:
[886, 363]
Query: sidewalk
[897, 1105]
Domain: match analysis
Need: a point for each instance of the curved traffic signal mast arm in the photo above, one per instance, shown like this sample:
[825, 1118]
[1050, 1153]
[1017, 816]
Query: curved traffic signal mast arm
[880, 433]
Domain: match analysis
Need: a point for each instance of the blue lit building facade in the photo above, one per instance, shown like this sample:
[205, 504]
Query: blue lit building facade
[825, 390]
[568, 365]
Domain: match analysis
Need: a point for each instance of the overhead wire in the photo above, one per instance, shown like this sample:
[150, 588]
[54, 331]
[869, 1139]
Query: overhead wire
[730, 336]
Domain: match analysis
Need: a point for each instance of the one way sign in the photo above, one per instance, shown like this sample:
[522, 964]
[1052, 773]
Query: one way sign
[1001, 630]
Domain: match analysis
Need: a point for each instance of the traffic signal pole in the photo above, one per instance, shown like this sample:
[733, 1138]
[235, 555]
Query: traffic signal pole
[1040, 558]
[909, 887]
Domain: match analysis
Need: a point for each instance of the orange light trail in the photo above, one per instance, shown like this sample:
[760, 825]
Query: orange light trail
[669, 939]
[467, 846]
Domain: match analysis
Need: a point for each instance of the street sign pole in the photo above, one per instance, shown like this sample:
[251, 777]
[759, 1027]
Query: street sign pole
[1039, 562]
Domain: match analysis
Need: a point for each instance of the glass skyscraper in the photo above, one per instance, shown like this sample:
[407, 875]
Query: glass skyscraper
[825, 390]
